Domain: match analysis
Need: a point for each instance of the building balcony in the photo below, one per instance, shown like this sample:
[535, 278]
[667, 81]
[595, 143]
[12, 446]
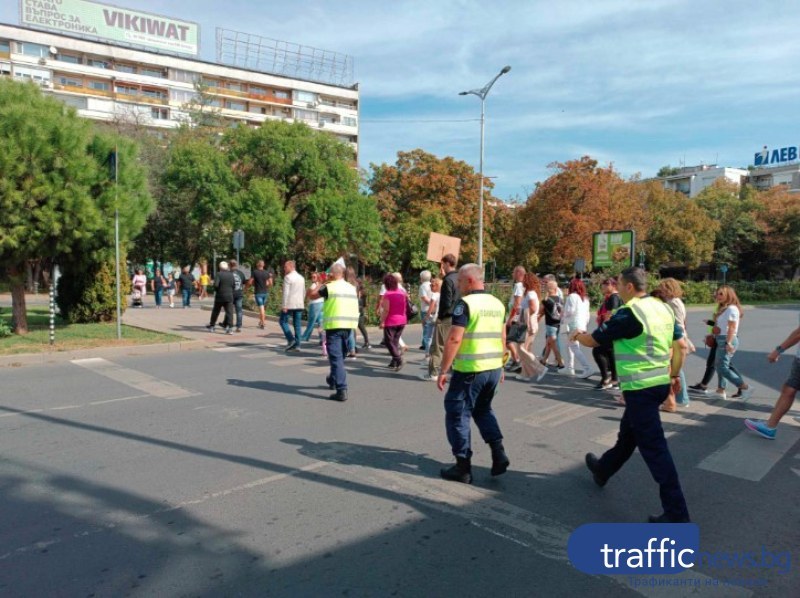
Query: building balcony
[86, 91]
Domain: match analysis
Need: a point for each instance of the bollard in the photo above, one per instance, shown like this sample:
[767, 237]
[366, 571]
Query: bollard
[52, 314]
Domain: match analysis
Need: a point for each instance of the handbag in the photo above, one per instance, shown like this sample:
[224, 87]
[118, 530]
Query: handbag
[411, 309]
[711, 342]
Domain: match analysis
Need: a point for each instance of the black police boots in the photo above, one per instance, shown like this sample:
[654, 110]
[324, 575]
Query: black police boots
[460, 472]
[340, 395]
[500, 460]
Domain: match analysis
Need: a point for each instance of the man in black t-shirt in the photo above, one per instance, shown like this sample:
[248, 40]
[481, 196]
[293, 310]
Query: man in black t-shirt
[261, 280]
[186, 282]
[604, 354]
[239, 280]
[448, 297]
[223, 298]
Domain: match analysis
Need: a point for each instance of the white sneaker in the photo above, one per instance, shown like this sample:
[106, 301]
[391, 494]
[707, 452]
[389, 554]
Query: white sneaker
[587, 373]
[541, 375]
[566, 372]
[719, 395]
[428, 378]
[522, 378]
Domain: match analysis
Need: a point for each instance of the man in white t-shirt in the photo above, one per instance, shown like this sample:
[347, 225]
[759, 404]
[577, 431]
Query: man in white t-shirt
[294, 293]
[515, 329]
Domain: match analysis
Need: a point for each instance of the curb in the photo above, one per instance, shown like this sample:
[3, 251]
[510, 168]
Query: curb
[28, 359]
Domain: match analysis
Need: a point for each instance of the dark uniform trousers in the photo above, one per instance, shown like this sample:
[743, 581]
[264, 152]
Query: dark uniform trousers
[641, 428]
[470, 397]
[336, 341]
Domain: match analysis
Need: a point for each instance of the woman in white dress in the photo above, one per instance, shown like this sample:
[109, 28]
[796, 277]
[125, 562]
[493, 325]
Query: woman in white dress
[577, 312]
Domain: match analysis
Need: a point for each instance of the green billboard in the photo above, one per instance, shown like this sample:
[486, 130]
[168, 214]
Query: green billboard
[613, 247]
[103, 21]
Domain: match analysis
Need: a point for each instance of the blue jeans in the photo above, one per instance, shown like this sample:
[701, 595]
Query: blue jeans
[187, 297]
[427, 334]
[640, 428]
[158, 294]
[297, 322]
[314, 319]
[261, 299]
[336, 340]
[351, 342]
[470, 397]
[237, 306]
[723, 363]
[683, 396]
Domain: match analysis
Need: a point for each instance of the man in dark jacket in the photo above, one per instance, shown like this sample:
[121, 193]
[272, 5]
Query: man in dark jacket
[448, 298]
[223, 298]
[239, 280]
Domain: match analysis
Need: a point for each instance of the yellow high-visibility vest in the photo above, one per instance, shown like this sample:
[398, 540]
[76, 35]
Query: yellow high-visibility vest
[482, 346]
[643, 362]
[340, 309]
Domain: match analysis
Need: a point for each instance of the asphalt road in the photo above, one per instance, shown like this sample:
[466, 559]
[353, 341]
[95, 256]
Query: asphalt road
[226, 472]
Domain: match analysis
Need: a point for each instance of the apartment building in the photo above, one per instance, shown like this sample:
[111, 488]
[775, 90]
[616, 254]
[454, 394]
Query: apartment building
[691, 180]
[107, 82]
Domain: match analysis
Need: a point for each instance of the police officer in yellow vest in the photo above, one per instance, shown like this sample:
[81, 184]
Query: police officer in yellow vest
[643, 332]
[474, 348]
[339, 319]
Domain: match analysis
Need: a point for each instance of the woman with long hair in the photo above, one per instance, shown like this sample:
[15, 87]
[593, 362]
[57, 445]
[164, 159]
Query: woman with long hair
[551, 309]
[531, 367]
[727, 317]
[671, 293]
[604, 354]
[576, 319]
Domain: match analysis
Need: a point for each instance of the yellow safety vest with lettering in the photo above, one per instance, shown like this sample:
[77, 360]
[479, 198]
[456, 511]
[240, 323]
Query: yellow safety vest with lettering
[643, 362]
[340, 309]
[482, 346]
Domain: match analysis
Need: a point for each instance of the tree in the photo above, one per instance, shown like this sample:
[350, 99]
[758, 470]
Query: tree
[780, 221]
[46, 178]
[422, 193]
[199, 187]
[311, 206]
[677, 229]
[556, 225]
[667, 170]
[736, 211]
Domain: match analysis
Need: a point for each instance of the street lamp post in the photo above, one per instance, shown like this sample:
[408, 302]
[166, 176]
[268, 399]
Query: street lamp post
[482, 93]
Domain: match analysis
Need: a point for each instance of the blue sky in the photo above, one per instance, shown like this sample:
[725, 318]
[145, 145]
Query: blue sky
[639, 84]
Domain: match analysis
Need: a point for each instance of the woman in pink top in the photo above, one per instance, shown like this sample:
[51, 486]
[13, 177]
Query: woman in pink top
[393, 319]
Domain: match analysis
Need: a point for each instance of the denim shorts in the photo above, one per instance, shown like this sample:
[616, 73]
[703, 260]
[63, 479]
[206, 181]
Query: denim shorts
[793, 381]
[551, 331]
[261, 299]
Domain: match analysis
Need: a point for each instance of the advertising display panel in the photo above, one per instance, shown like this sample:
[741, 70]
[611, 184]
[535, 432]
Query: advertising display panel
[612, 247]
[104, 21]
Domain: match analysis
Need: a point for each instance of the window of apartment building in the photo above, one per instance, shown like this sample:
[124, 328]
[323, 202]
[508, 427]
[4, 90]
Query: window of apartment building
[232, 85]
[156, 94]
[99, 63]
[5, 46]
[75, 101]
[159, 113]
[128, 90]
[181, 95]
[255, 109]
[5, 68]
[151, 72]
[255, 89]
[70, 58]
[32, 74]
[306, 115]
[328, 118]
[125, 68]
[304, 96]
[236, 105]
[214, 103]
[349, 121]
[29, 49]
[348, 105]
[183, 76]
[71, 81]
[210, 83]
[283, 95]
[99, 85]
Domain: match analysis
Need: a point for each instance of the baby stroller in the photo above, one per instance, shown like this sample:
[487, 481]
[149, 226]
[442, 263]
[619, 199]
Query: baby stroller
[136, 297]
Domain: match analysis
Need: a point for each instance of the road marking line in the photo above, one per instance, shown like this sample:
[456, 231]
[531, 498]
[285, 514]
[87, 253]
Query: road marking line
[287, 361]
[65, 407]
[118, 400]
[556, 415]
[228, 349]
[749, 457]
[21, 413]
[161, 389]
